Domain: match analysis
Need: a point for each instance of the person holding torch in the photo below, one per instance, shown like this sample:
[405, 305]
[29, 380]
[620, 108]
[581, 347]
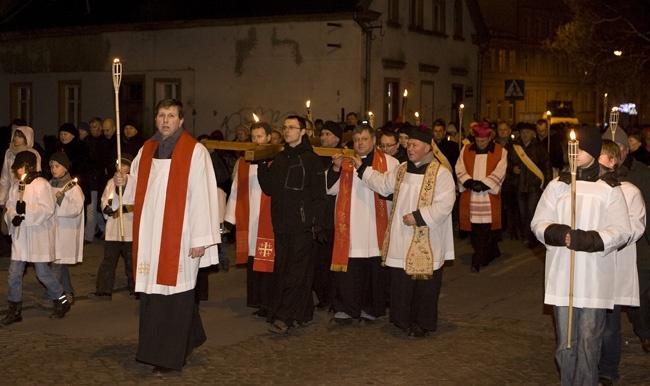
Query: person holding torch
[581, 260]
[31, 221]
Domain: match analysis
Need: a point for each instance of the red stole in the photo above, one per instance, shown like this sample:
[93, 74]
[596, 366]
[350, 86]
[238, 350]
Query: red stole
[264, 258]
[175, 198]
[341, 250]
[493, 159]
[242, 211]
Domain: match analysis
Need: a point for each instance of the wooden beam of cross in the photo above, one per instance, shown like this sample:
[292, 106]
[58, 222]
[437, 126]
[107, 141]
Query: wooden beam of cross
[256, 152]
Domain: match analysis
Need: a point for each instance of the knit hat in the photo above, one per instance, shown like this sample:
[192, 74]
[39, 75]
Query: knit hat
[481, 130]
[127, 159]
[527, 126]
[24, 158]
[589, 140]
[84, 126]
[69, 127]
[421, 133]
[620, 137]
[61, 158]
[334, 128]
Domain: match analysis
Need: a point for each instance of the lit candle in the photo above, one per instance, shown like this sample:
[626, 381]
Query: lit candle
[548, 132]
[460, 125]
[371, 119]
[404, 102]
[417, 118]
[256, 118]
[604, 110]
[308, 105]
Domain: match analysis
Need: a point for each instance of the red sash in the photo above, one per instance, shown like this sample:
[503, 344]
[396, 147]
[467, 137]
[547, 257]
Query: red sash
[341, 251]
[176, 196]
[242, 212]
[493, 159]
[264, 258]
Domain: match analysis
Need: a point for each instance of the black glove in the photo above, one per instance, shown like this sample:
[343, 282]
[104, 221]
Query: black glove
[20, 207]
[108, 211]
[319, 234]
[228, 226]
[586, 241]
[468, 184]
[479, 187]
[555, 235]
[17, 220]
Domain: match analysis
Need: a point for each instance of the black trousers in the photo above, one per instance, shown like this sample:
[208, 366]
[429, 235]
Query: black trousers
[293, 273]
[362, 287]
[170, 327]
[322, 268]
[484, 242]
[106, 273]
[414, 303]
[258, 287]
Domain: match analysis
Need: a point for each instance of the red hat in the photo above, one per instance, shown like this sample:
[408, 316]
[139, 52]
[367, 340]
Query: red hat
[481, 130]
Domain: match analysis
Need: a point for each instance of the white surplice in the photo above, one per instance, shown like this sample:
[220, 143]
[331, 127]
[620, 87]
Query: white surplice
[69, 247]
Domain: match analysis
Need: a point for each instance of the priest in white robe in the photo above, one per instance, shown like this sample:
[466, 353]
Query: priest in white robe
[176, 231]
[419, 238]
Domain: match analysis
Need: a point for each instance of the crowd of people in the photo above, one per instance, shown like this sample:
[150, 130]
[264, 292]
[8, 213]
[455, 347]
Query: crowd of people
[360, 233]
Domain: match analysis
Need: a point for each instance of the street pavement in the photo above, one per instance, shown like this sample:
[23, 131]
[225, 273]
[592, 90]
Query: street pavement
[493, 330]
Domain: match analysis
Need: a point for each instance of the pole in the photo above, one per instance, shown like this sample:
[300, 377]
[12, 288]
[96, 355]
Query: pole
[604, 110]
[460, 125]
[613, 121]
[117, 79]
[21, 194]
[573, 164]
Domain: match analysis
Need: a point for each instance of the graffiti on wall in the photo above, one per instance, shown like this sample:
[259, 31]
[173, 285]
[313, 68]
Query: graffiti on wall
[244, 116]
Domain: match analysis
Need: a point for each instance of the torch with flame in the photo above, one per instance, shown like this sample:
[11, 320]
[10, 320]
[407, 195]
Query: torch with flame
[21, 194]
[404, 103]
[255, 118]
[417, 118]
[573, 166]
[117, 79]
[71, 184]
[613, 121]
[308, 106]
[371, 119]
[548, 134]
[460, 124]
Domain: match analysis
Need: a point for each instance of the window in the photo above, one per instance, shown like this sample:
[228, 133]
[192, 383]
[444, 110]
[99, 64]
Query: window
[391, 99]
[427, 15]
[70, 102]
[502, 61]
[512, 61]
[439, 16]
[166, 89]
[458, 18]
[21, 101]
[393, 11]
[427, 111]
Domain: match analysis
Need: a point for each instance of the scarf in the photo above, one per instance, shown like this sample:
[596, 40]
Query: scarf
[264, 258]
[493, 158]
[176, 196]
[341, 251]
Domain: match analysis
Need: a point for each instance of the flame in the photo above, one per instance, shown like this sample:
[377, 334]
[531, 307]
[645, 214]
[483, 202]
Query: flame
[116, 60]
[417, 115]
[572, 135]
[256, 118]
[462, 106]
[22, 178]
[75, 180]
[605, 95]
[614, 109]
[548, 112]
[512, 136]
[370, 114]
[308, 103]
[406, 93]
[110, 196]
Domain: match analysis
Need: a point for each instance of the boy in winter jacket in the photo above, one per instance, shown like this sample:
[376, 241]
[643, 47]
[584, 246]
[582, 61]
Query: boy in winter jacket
[31, 221]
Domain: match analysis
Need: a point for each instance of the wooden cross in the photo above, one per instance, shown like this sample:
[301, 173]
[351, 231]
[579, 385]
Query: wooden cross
[255, 152]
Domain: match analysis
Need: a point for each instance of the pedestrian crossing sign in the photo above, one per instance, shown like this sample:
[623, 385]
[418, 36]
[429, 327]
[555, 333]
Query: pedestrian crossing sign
[514, 89]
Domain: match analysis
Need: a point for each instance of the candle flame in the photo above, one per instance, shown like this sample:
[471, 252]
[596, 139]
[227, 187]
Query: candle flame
[605, 95]
[406, 93]
[572, 135]
[110, 196]
[116, 60]
[370, 114]
[22, 178]
[308, 103]
[256, 118]
[614, 109]
[512, 136]
[75, 180]
[462, 106]
[548, 112]
[417, 115]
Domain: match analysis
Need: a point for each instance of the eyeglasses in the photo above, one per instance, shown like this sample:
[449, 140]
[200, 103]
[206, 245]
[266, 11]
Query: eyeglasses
[290, 127]
[387, 145]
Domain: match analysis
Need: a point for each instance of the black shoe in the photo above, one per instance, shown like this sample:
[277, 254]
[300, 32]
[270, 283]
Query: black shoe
[475, 268]
[260, 314]
[340, 321]
[160, 371]
[417, 333]
[323, 306]
[61, 307]
[102, 296]
[366, 321]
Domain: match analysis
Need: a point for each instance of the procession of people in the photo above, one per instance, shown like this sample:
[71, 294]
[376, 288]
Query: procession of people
[360, 219]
